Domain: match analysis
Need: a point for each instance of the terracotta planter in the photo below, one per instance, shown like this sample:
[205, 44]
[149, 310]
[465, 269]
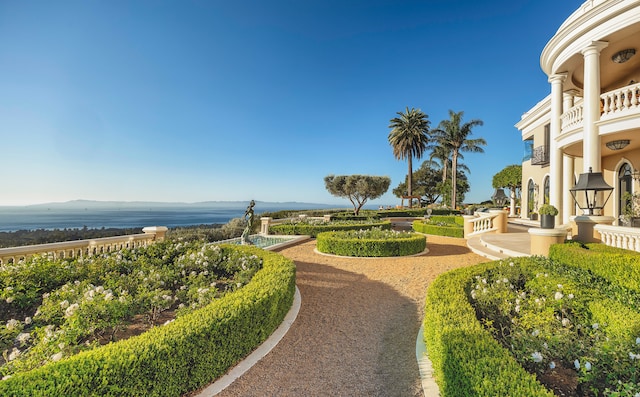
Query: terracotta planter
[547, 221]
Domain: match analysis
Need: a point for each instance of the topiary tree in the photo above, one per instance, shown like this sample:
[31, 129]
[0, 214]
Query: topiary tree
[511, 178]
[357, 188]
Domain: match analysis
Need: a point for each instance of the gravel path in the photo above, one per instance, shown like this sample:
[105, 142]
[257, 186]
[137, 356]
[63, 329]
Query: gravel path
[356, 330]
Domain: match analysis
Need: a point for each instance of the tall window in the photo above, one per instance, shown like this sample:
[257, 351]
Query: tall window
[624, 188]
[545, 197]
[530, 196]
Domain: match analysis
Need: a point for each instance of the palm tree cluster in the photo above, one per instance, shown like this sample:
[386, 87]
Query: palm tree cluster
[410, 137]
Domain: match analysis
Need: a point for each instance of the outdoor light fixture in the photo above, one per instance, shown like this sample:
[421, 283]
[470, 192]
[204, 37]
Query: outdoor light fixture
[593, 185]
[499, 198]
[624, 55]
[619, 144]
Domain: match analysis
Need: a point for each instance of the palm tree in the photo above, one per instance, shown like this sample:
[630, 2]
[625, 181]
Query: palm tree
[409, 137]
[454, 135]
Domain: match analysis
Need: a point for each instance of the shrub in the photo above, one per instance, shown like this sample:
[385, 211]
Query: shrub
[548, 209]
[313, 228]
[450, 226]
[370, 243]
[181, 356]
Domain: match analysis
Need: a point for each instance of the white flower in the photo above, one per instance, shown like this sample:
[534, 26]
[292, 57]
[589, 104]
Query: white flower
[595, 325]
[56, 357]
[566, 322]
[9, 299]
[576, 364]
[560, 286]
[638, 341]
[517, 308]
[535, 332]
[27, 320]
[64, 304]
[6, 377]
[570, 296]
[15, 353]
[587, 366]
[552, 365]
[70, 310]
[536, 356]
[558, 295]
[23, 337]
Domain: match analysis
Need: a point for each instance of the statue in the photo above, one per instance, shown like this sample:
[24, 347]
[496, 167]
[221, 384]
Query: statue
[248, 216]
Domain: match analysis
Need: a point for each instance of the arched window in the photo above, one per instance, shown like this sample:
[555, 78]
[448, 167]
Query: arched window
[545, 197]
[625, 188]
[531, 196]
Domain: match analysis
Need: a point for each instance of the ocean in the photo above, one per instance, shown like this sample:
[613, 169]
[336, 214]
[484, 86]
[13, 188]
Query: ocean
[122, 216]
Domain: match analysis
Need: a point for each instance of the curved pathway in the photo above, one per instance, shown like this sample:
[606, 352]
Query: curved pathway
[356, 330]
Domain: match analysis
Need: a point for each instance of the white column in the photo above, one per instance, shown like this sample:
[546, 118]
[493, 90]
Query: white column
[591, 112]
[568, 180]
[555, 152]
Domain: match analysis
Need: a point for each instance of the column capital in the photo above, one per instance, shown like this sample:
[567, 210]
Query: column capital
[594, 48]
[558, 77]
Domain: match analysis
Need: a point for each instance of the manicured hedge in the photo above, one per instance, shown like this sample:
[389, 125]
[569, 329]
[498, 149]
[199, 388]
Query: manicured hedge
[617, 265]
[340, 243]
[179, 357]
[450, 226]
[467, 360]
[312, 229]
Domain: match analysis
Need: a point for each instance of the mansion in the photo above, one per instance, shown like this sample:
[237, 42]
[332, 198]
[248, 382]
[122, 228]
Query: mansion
[591, 118]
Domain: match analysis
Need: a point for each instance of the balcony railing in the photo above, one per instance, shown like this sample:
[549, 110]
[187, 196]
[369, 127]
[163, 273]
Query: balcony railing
[540, 155]
[620, 236]
[617, 103]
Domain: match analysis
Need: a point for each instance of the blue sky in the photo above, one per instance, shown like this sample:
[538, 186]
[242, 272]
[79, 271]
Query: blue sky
[236, 100]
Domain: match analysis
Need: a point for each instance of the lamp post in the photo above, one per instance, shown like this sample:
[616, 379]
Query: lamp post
[591, 184]
[499, 198]
[588, 194]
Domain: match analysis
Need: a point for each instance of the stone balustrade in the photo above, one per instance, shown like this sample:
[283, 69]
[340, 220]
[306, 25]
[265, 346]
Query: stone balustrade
[572, 117]
[481, 222]
[620, 236]
[84, 248]
[623, 100]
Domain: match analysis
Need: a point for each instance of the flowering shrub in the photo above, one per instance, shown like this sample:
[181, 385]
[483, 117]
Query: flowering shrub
[61, 320]
[552, 317]
[374, 242]
[181, 356]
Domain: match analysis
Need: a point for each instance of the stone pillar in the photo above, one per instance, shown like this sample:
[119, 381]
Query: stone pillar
[555, 152]
[468, 225]
[542, 239]
[586, 227]
[159, 232]
[568, 180]
[500, 221]
[591, 111]
[265, 221]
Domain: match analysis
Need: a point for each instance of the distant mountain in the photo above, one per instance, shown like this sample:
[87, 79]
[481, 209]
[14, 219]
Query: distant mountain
[95, 204]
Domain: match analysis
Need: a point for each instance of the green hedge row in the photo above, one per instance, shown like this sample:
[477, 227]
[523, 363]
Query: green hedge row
[310, 229]
[179, 357]
[449, 226]
[406, 212]
[467, 360]
[620, 266]
[337, 243]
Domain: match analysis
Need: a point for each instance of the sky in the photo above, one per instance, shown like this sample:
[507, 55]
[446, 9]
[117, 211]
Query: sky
[189, 101]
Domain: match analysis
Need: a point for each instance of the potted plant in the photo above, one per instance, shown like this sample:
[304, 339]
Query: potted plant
[547, 216]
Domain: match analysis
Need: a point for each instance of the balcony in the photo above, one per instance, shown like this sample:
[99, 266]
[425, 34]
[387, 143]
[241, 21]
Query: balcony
[619, 110]
[540, 156]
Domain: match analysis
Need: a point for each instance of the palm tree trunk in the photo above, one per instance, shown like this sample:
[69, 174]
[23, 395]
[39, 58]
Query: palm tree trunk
[454, 172]
[409, 177]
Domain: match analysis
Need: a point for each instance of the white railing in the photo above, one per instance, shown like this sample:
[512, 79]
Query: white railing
[622, 100]
[620, 236]
[614, 104]
[82, 248]
[572, 117]
[482, 223]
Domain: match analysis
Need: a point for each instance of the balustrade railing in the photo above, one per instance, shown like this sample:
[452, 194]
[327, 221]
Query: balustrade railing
[621, 100]
[84, 248]
[481, 223]
[620, 236]
[572, 117]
